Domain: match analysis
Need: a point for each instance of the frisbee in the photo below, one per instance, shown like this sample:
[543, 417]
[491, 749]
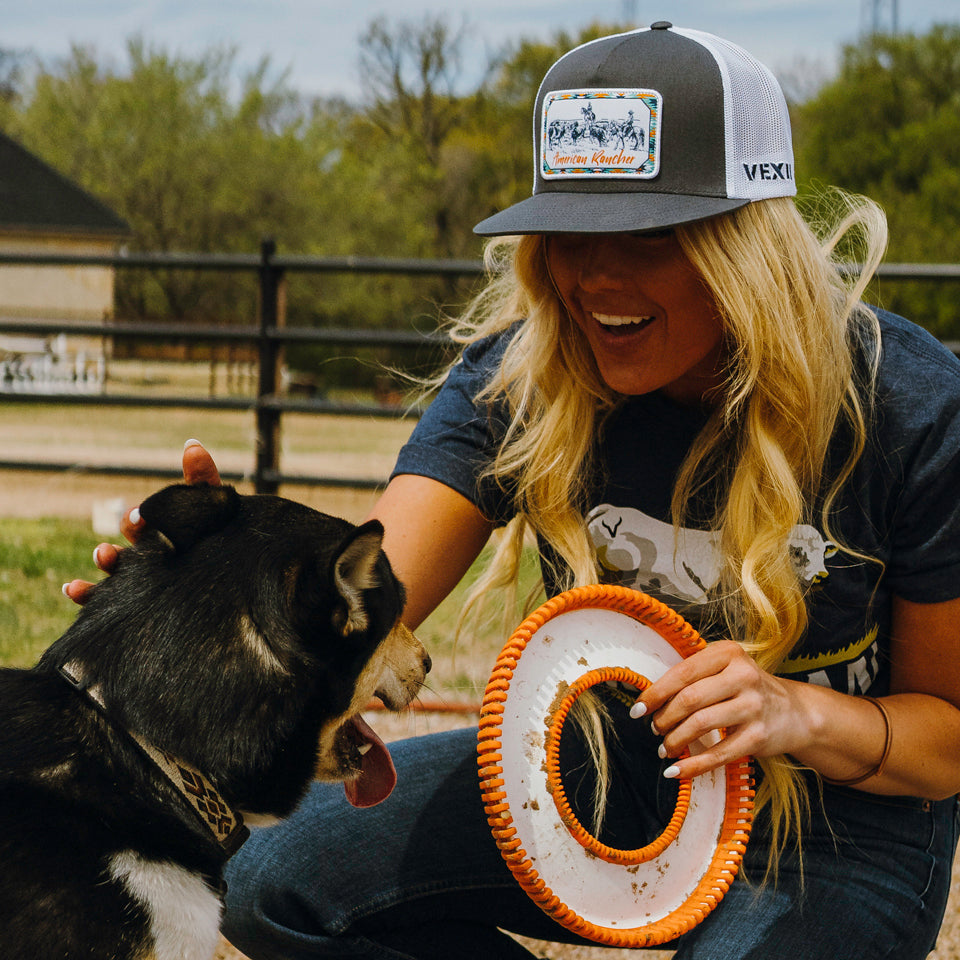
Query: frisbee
[624, 898]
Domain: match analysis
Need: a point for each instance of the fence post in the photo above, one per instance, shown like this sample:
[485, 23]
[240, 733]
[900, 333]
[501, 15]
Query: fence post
[268, 418]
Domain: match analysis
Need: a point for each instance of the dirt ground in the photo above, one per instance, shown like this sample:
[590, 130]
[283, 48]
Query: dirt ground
[29, 494]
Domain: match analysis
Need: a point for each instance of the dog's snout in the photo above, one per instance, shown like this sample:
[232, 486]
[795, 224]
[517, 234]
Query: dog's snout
[405, 666]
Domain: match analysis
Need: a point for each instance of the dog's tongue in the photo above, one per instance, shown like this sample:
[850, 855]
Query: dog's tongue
[378, 775]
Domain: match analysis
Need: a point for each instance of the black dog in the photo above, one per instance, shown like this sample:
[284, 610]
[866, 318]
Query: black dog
[218, 670]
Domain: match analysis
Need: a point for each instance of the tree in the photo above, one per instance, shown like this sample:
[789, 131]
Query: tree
[411, 71]
[12, 64]
[888, 126]
[190, 168]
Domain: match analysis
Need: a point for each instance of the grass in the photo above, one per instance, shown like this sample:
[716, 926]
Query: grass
[36, 558]
[462, 665]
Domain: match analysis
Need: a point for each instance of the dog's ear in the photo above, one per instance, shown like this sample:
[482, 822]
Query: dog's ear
[185, 513]
[355, 570]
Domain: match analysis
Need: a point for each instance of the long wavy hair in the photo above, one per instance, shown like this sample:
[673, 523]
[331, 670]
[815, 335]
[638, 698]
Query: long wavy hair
[801, 355]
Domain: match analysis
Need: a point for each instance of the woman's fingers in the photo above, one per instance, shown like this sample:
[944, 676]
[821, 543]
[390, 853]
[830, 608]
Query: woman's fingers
[198, 465]
[722, 698]
[77, 590]
[727, 750]
[131, 526]
[673, 695]
[104, 558]
[718, 688]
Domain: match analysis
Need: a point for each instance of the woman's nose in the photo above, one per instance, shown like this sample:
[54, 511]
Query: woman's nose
[600, 267]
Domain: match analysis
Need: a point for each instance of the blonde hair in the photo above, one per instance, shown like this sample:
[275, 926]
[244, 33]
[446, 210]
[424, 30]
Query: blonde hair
[801, 355]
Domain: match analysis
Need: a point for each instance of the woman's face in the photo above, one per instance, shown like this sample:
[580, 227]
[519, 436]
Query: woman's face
[649, 319]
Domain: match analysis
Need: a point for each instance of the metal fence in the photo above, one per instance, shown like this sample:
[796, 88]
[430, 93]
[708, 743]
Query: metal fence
[268, 336]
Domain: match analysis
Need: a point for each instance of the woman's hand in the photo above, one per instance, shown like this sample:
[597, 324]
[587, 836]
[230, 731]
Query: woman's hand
[722, 687]
[842, 737]
[198, 467]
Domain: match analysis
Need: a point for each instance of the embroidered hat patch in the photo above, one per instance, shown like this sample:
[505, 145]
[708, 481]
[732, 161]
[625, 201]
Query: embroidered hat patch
[601, 133]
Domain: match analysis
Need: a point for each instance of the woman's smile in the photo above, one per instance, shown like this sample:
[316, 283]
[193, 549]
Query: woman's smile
[621, 324]
[650, 321]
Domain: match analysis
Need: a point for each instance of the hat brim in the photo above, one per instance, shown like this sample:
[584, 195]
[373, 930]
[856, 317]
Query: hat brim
[625, 212]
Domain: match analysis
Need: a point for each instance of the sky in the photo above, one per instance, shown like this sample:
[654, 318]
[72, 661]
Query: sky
[316, 41]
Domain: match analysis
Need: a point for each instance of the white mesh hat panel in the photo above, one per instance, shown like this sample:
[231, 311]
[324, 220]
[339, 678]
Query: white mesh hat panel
[758, 139]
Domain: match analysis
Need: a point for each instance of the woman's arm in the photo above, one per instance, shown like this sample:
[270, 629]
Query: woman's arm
[925, 699]
[840, 736]
[432, 535]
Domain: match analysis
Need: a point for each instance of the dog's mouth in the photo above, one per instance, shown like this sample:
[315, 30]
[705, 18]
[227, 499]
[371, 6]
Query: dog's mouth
[377, 776]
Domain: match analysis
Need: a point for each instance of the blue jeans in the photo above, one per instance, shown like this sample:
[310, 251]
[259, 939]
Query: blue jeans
[419, 876]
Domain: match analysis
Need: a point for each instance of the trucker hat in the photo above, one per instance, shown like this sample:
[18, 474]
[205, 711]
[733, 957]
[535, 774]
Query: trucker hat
[650, 129]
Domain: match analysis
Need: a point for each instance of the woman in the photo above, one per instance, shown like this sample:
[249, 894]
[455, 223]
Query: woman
[667, 347]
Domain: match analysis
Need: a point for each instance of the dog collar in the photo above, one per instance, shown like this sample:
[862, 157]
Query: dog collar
[216, 815]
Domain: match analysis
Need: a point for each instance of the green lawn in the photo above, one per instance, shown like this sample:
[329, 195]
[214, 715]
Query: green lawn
[38, 556]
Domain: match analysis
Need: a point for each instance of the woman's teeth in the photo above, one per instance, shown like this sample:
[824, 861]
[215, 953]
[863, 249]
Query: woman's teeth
[610, 321]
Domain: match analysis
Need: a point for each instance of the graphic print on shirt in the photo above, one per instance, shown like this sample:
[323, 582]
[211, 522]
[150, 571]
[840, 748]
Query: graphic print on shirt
[683, 571]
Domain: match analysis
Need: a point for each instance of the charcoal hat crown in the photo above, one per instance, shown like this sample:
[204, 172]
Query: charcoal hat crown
[650, 129]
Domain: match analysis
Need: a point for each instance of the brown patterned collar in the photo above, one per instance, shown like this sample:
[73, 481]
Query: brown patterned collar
[216, 815]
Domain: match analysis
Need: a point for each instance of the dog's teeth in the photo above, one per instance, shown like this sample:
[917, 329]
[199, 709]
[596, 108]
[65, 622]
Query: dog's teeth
[364, 748]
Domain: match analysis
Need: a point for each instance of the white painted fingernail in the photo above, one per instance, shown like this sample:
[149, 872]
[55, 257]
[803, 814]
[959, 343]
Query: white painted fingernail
[671, 772]
[192, 443]
[96, 555]
[135, 516]
[638, 710]
[653, 727]
[63, 589]
[662, 752]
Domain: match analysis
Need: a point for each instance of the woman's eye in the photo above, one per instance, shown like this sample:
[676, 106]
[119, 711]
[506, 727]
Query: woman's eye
[567, 239]
[653, 234]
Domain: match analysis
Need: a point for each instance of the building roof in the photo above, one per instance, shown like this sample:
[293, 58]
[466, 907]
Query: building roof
[36, 198]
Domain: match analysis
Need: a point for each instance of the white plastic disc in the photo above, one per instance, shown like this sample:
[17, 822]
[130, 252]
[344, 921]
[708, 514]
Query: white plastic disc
[623, 898]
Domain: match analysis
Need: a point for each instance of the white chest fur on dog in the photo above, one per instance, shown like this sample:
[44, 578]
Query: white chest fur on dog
[184, 913]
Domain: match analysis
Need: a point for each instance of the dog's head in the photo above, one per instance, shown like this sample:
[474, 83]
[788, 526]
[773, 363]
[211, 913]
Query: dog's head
[245, 634]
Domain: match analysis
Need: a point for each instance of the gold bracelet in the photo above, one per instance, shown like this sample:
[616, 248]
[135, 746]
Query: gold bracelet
[888, 742]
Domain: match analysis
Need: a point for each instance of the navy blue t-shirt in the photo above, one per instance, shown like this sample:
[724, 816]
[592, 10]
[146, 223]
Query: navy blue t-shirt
[901, 506]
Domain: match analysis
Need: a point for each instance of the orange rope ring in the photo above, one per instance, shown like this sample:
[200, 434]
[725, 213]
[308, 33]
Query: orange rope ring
[555, 782]
[624, 898]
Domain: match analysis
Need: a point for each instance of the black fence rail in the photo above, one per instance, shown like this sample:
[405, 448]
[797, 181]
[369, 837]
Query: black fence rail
[268, 336]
